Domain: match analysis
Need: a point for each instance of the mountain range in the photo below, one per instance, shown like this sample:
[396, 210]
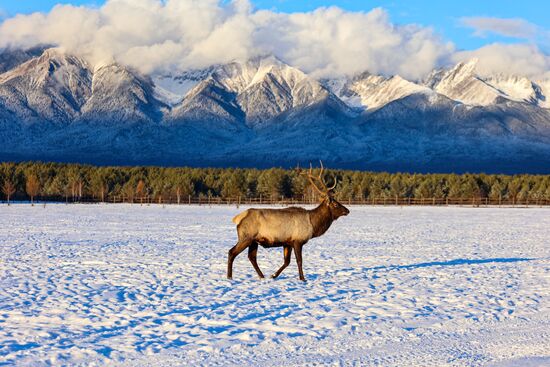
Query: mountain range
[264, 112]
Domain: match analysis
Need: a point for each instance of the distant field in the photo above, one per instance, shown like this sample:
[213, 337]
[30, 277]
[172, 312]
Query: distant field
[387, 286]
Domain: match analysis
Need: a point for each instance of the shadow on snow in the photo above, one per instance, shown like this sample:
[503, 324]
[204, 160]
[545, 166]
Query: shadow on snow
[454, 263]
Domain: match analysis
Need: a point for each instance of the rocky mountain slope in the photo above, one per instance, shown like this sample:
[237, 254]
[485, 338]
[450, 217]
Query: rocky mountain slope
[55, 106]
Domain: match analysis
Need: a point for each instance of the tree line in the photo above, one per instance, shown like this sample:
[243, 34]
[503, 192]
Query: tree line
[73, 182]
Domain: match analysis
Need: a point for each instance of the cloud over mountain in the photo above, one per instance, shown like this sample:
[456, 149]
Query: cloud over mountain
[518, 59]
[158, 35]
[176, 35]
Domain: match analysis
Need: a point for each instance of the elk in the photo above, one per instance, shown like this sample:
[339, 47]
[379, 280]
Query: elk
[290, 228]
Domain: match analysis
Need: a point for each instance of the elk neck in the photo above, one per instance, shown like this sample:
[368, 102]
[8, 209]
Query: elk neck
[321, 219]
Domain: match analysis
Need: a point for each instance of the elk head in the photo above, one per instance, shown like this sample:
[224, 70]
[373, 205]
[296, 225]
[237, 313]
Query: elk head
[326, 194]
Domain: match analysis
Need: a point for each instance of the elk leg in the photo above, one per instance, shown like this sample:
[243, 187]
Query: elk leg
[236, 250]
[298, 254]
[287, 251]
[252, 252]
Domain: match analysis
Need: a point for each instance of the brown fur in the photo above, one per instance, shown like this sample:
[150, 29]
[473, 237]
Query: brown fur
[290, 228]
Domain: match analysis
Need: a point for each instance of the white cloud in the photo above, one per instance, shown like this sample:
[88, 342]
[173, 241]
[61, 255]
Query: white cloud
[517, 59]
[330, 41]
[158, 35]
[509, 27]
[525, 59]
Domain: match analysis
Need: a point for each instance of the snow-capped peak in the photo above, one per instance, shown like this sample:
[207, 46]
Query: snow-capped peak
[238, 77]
[235, 77]
[373, 91]
[260, 89]
[52, 63]
[463, 70]
[465, 84]
[54, 86]
[269, 108]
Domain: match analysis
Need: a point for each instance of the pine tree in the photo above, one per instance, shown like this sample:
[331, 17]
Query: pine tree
[514, 186]
[234, 184]
[424, 190]
[271, 183]
[344, 189]
[497, 190]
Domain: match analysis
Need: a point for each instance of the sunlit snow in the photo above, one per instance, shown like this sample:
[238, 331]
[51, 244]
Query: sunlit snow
[145, 285]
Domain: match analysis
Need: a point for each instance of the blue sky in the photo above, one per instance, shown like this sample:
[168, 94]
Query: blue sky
[443, 16]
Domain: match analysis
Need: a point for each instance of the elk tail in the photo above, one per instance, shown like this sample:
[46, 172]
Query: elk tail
[238, 218]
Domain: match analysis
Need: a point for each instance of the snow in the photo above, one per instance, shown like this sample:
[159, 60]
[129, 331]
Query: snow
[238, 77]
[465, 84]
[172, 90]
[145, 285]
[57, 107]
[375, 95]
[545, 91]
[516, 88]
[241, 78]
[368, 91]
[340, 88]
[462, 84]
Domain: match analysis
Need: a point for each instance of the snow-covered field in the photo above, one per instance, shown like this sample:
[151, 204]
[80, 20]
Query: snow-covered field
[139, 285]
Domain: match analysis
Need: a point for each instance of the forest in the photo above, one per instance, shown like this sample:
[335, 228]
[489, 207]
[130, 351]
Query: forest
[30, 181]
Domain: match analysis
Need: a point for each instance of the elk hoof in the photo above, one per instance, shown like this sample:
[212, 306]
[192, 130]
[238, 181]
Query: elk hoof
[303, 280]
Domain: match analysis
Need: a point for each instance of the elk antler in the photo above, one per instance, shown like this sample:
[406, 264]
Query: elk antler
[324, 190]
[312, 179]
[334, 185]
[322, 180]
